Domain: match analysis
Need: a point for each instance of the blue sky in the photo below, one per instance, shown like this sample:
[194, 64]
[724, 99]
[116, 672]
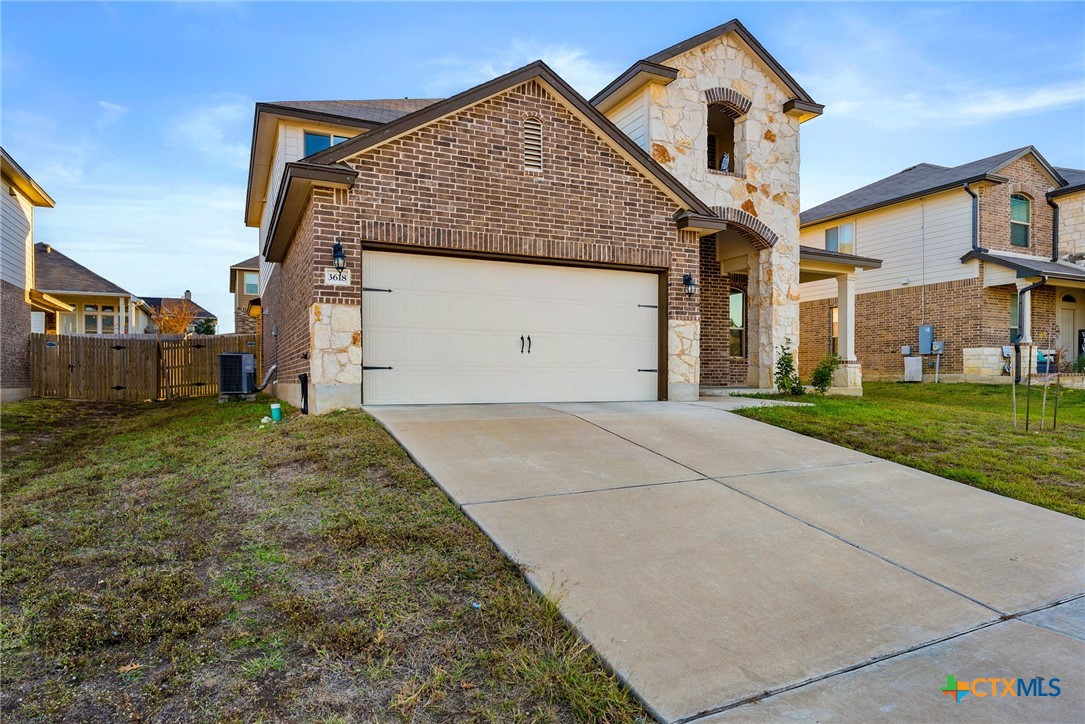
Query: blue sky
[137, 117]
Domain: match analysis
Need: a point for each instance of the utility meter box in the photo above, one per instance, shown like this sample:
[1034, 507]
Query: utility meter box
[926, 338]
[938, 347]
[913, 369]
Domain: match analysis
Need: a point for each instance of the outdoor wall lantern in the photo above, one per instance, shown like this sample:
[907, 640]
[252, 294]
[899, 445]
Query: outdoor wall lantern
[689, 284]
[339, 259]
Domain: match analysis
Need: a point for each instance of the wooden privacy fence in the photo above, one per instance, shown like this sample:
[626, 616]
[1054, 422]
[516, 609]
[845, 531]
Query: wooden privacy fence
[130, 367]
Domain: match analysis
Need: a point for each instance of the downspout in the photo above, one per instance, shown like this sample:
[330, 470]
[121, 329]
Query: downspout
[1054, 229]
[975, 218]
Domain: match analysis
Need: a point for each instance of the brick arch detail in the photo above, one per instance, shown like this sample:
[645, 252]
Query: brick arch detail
[729, 101]
[745, 223]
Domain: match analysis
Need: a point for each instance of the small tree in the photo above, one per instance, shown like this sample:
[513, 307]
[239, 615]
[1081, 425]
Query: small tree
[787, 377]
[822, 378]
[174, 317]
[204, 326]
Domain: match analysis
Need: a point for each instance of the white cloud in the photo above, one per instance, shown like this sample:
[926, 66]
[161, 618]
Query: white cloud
[454, 74]
[111, 113]
[219, 132]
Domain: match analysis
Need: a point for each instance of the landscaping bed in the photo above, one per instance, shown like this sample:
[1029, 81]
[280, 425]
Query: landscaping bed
[181, 561]
[964, 432]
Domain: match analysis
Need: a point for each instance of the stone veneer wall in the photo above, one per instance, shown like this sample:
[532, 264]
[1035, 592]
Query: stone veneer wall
[243, 323]
[459, 184]
[965, 315]
[1072, 225]
[767, 186]
[14, 342]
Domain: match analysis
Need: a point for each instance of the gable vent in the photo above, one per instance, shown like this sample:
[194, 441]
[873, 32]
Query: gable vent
[533, 159]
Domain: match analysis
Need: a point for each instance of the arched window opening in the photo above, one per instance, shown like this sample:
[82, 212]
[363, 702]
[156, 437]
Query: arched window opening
[721, 140]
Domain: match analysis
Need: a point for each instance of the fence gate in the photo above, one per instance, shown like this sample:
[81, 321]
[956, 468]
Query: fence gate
[130, 367]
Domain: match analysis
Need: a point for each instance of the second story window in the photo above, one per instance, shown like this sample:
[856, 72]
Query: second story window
[841, 238]
[317, 142]
[1020, 219]
[721, 140]
[252, 283]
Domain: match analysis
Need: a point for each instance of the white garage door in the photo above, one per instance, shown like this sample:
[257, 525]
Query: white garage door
[449, 330]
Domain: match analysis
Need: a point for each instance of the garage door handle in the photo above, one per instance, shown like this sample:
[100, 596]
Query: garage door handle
[529, 344]
[521, 344]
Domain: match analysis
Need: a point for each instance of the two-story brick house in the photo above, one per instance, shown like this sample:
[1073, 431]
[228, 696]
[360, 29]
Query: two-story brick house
[965, 249]
[516, 242]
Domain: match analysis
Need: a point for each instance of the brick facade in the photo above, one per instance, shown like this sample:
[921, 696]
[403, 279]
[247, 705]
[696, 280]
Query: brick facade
[459, 184]
[718, 367]
[1026, 176]
[14, 340]
[964, 313]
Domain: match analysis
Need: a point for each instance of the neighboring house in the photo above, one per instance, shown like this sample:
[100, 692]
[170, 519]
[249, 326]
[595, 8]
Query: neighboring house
[245, 286]
[516, 242]
[94, 305]
[178, 305]
[22, 305]
[958, 244]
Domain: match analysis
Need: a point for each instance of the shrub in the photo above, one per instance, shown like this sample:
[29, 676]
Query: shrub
[822, 379]
[1079, 364]
[787, 377]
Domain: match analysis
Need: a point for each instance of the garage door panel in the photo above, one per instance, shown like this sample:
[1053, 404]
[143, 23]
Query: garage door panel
[451, 329]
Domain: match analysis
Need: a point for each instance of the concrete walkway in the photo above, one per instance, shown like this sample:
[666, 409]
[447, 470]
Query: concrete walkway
[727, 569]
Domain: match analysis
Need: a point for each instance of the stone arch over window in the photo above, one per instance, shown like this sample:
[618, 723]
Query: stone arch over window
[726, 148]
[748, 225]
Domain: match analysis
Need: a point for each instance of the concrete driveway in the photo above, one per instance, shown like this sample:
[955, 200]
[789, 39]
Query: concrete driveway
[727, 569]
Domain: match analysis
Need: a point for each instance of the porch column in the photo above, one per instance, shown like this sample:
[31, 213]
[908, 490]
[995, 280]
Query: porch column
[848, 378]
[753, 320]
[845, 304]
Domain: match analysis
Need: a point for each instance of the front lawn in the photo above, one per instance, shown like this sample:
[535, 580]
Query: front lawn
[179, 561]
[960, 431]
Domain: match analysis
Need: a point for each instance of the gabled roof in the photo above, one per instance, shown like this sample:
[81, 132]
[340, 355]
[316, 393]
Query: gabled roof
[156, 303]
[55, 273]
[921, 180]
[801, 100]
[250, 264]
[20, 179]
[533, 71]
[1027, 267]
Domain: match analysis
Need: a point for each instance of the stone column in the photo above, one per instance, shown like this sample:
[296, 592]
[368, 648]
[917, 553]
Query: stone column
[335, 357]
[753, 317]
[777, 270]
[683, 360]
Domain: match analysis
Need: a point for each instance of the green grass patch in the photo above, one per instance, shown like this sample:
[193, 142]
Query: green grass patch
[964, 432]
[176, 561]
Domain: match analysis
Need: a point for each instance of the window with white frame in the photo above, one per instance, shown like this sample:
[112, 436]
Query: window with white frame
[834, 330]
[841, 238]
[1020, 219]
[99, 319]
[1015, 319]
[317, 142]
[252, 283]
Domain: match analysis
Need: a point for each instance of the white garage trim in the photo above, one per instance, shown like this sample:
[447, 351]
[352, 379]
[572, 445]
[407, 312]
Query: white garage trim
[446, 329]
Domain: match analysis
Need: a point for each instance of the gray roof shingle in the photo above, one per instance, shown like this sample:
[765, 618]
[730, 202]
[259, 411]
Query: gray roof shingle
[55, 272]
[156, 303]
[253, 262]
[372, 111]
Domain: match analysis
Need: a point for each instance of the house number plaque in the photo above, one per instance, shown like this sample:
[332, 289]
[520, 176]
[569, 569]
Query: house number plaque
[335, 278]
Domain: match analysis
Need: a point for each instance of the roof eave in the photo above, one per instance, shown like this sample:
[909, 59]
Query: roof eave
[264, 123]
[807, 253]
[803, 110]
[635, 77]
[23, 181]
[1023, 270]
[299, 178]
[1055, 193]
[992, 178]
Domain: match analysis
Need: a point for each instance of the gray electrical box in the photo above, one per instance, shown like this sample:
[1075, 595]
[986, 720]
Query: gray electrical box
[926, 338]
[938, 347]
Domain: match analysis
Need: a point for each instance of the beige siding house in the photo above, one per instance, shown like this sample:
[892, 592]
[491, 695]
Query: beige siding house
[957, 246]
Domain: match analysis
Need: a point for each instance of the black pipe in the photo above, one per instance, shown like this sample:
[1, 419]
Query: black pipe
[303, 378]
[1054, 229]
[975, 218]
